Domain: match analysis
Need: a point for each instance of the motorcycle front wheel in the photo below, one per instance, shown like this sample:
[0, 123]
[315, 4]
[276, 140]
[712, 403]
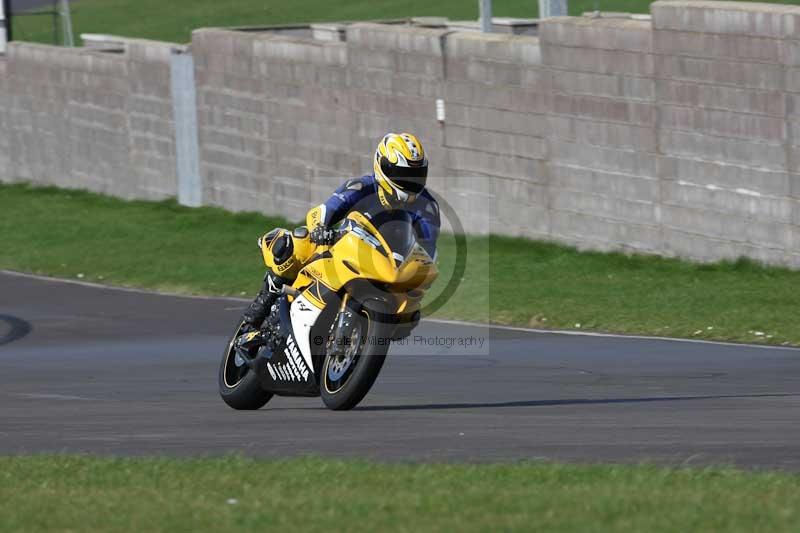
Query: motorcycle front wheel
[353, 362]
[239, 387]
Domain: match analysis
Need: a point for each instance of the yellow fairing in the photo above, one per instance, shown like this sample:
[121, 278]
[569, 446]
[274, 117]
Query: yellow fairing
[315, 217]
[352, 257]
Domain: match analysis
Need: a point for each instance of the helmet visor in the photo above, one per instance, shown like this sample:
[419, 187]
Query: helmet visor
[411, 179]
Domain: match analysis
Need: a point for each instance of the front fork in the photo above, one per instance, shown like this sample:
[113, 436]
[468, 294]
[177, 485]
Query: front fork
[336, 342]
[343, 313]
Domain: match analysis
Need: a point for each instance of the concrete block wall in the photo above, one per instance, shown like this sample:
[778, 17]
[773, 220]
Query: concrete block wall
[151, 141]
[497, 99]
[668, 136]
[604, 188]
[284, 119]
[726, 93]
[674, 136]
[82, 118]
[396, 74]
[274, 119]
[5, 137]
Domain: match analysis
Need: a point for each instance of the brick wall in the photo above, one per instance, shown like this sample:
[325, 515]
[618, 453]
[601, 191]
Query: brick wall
[674, 136]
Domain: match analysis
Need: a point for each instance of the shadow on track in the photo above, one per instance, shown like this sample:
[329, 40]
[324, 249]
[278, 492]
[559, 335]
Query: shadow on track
[17, 329]
[576, 401]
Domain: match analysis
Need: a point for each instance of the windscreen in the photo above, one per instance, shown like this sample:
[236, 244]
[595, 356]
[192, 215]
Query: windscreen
[397, 228]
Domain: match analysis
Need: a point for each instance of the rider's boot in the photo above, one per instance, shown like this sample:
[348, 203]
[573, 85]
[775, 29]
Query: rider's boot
[254, 315]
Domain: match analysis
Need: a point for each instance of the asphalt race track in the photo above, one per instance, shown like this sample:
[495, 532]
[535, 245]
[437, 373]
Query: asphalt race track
[94, 370]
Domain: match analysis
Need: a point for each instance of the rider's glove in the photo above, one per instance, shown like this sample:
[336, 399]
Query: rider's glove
[322, 235]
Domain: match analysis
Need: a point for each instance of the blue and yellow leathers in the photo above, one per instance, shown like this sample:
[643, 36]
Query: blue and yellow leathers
[367, 195]
[285, 252]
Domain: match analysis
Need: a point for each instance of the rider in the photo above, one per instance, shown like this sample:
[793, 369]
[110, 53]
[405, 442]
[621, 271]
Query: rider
[398, 182]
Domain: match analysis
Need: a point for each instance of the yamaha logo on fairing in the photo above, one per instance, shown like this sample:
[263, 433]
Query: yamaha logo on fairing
[294, 369]
[282, 372]
[295, 360]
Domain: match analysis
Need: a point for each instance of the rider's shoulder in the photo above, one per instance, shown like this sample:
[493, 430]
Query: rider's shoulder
[428, 205]
[428, 197]
[358, 184]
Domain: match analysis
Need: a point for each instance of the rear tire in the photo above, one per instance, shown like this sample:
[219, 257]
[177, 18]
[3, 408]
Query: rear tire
[239, 387]
[370, 357]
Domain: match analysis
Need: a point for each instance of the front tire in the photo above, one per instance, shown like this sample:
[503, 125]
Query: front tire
[342, 390]
[239, 387]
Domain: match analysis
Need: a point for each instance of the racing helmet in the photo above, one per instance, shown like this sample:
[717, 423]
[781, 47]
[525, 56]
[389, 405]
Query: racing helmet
[401, 169]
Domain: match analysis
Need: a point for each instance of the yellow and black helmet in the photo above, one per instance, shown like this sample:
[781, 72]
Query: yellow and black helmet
[401, 169]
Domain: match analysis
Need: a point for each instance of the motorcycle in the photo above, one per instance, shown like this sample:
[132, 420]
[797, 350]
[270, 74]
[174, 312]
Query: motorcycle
[329, 333]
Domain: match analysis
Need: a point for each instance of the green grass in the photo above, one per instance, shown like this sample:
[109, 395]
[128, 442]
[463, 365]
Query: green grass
[231, 494]
[551, 286]
[163, 246]
[151, 19]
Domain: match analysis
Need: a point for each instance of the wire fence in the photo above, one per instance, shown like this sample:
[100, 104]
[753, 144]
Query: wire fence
[47, 21]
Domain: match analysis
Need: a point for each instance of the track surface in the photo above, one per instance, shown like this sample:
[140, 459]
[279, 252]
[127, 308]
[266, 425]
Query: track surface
[113, 372]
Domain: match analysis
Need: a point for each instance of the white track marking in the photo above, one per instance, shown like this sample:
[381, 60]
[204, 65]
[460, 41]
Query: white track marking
[432, 320]
[122, 289]
[43, 396]
[576, 333]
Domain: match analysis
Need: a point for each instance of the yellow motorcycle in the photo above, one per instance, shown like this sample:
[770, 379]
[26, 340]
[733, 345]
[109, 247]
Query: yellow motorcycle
[330, 331]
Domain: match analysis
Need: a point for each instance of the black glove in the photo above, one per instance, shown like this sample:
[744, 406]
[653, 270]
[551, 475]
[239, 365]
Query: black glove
[323, 235]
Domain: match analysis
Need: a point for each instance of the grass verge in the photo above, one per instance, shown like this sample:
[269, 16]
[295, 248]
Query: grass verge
[309, 494]
[149, 19]
[163, 246]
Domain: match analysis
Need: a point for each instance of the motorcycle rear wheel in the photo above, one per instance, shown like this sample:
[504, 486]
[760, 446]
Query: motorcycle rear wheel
[239, 387]
[355, 382]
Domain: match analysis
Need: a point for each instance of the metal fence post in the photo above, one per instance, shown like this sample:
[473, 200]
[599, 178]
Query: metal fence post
[486, 15]
[552, 8]
[5, 28]
[184, 106]
[66, 17]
